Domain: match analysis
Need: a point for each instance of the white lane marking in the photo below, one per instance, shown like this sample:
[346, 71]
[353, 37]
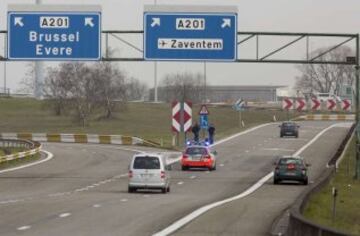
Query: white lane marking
[96, 205]
[63, 215]
[247, 151]
[193, 215]
[49, 157]
[193, 177]
[241, 133]
[278, 149]
[124, 200]
[25, 227]
[180, 183]
[221, 165]
[146, 195]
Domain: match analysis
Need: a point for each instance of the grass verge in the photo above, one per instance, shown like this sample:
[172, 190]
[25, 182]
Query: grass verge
[18, 162]
[347, 218]
[147, 120]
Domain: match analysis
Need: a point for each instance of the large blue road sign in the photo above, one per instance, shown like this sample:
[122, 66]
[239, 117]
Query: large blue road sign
[190, 36]
[54, 35]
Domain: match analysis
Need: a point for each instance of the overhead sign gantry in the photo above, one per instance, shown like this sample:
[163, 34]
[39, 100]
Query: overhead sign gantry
[52, 32]
[190, 33]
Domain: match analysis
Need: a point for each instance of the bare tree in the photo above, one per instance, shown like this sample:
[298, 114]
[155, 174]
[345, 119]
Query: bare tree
[85, 90]
[135, 90]
[27, 83]
[185, 86]
[326, 78]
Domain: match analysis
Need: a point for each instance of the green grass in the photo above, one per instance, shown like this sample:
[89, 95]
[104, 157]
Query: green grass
[12, 150]
[319, 208]
[20, 161]
[147, 120]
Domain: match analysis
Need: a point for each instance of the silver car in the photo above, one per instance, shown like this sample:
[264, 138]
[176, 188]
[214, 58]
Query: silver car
[149, 171]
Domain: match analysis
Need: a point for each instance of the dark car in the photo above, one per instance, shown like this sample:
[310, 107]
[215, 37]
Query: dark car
[289, 128]
[291, 169]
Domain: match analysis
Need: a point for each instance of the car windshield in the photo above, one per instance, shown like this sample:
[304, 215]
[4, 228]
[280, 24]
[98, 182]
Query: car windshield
[146, 162]
[196, 151]
[288, 124]
[287, 161]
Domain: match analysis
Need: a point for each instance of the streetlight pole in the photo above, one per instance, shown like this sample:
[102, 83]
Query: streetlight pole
[357, 78]
[155, 75]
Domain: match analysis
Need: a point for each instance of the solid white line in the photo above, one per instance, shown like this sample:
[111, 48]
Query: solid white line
[63, 215]
[49, 157]
[25, 227]
[190, 217]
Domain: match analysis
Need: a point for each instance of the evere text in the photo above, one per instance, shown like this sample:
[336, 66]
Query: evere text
[41, 39]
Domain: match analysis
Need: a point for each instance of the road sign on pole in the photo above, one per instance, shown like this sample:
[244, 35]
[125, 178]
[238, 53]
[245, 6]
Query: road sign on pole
[204, 121]
[287, 104]
[300, 104]
[52, 32]
[190, 33]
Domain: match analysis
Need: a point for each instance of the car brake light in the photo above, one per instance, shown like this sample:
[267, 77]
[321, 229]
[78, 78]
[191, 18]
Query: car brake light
[130, 174]
[207, 156]
[162, 174]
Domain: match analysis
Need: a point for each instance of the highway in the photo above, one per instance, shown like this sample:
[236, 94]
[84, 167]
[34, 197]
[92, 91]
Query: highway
[82, 190]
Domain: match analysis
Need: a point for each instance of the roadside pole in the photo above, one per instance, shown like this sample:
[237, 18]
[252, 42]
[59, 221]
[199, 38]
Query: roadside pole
[357, 75]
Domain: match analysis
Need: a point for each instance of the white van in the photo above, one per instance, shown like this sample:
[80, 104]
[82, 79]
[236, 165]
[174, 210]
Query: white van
[149, 171]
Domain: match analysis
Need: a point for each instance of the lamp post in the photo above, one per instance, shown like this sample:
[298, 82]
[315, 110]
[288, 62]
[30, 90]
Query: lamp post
[357, 132]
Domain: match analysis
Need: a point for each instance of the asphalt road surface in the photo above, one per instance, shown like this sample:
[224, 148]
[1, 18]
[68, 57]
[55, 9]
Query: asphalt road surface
[83, 189]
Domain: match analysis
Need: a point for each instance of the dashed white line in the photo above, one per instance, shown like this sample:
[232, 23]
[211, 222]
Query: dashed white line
[221, 165]
[125, 200]
[193, 177]
[25, 227]
[180, 183]
[96, 205]
[63, 215]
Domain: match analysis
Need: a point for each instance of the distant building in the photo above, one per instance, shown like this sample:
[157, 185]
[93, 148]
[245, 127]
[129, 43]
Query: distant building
[230, 94]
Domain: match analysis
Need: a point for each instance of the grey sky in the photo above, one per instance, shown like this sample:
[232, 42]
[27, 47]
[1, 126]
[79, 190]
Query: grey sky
[328, 16]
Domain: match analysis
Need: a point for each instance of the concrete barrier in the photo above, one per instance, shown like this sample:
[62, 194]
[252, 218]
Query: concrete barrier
[80, 138]
[324, 117]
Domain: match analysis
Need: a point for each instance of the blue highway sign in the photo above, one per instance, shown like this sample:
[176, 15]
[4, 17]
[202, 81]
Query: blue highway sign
[190, 36]
[204, 121]
[54, 35]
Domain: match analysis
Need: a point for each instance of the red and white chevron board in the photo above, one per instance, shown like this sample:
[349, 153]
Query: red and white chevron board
[187, 116]
[287, 104]
[315, 104]
[331, 104]
[300, 104]
[175, 121]
[346, 105]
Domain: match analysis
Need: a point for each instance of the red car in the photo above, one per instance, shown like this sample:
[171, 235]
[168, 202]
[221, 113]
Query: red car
[198, 157]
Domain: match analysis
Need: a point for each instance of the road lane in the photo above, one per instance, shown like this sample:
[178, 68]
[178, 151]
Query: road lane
[143, 213]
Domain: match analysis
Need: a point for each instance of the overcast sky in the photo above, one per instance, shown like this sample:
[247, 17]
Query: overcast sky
[323, 16]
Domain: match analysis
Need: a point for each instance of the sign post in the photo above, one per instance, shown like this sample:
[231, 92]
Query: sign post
[54, 32]
[190, 33]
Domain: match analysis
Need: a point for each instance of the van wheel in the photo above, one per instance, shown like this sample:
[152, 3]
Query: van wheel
[184, 167]
[305, 182]
[168, 189]
[164, 190]
[131, 190]
[276, 181]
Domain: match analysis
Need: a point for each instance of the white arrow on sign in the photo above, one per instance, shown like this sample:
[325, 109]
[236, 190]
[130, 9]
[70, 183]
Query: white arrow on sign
[18, 21]
[89, 21]
[155, 22]
[226, 23]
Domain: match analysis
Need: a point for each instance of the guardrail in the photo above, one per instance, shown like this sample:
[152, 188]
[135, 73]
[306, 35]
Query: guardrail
[298, 224]
[80, 138]
[32, 146]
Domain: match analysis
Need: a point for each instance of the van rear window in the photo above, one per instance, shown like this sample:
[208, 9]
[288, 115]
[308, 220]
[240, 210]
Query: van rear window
[146, 162]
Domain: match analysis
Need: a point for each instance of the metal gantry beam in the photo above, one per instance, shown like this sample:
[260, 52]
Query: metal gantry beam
[266, 58]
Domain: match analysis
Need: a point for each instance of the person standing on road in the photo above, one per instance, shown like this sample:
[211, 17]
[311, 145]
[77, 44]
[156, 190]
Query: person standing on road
[211, 131]
[195, 130]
